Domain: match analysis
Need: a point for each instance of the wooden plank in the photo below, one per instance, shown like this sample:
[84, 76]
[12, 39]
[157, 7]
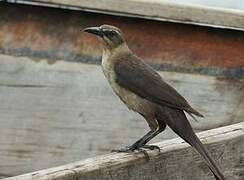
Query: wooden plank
[55, 112]
[155, 10]
[175, 161]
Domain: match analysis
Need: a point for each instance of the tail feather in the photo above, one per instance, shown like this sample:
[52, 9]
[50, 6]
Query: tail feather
[196, 143]
[178, 122]
[190, 110]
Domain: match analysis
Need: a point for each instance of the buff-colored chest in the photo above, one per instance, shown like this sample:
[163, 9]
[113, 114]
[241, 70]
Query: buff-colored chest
[133, 101]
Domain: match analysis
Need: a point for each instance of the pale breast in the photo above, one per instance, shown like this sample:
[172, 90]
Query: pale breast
[133, 101]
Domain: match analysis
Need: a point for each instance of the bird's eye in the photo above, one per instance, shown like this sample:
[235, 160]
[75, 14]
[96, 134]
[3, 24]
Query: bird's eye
[111, 33]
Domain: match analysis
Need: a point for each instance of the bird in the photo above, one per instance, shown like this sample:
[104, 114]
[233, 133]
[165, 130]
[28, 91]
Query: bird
[144, 91]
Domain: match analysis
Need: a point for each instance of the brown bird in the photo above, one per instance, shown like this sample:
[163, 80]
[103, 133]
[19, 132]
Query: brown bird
[143, 90]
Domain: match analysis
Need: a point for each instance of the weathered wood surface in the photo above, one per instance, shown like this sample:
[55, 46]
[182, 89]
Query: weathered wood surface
[156, 10]
[53, 113]
[176, 161]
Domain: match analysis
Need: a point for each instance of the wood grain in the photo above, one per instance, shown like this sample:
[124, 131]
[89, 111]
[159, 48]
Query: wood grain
[176, 161]
[60, 112]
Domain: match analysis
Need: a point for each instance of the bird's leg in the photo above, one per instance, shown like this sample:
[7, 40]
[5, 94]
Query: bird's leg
[147, 139]
[141, 143]
[161, 127]
[136, 144]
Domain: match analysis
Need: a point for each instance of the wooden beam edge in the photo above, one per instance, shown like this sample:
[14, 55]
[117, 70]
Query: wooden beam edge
[153, 10]
[81, 168]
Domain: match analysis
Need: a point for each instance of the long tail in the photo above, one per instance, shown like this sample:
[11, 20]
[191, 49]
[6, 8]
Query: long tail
[178, 122]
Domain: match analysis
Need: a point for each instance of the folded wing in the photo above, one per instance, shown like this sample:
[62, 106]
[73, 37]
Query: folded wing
[135, 75]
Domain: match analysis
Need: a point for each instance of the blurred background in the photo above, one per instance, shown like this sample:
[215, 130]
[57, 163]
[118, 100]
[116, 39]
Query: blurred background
[227, 4]
[56, 106]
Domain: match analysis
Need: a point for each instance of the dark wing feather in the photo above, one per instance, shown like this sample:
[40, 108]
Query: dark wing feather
[135, 75]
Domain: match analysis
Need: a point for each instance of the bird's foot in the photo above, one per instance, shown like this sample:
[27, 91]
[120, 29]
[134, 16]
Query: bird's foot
[151, 147]
[125, 149]
[138, 148]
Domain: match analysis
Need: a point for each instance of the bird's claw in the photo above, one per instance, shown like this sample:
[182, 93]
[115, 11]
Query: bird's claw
[151, 147]
[138, 148]
[124, 149]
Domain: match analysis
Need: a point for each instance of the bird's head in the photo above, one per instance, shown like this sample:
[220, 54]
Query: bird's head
[111, 36]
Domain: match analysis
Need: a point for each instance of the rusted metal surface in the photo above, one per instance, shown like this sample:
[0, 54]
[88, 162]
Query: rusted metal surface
[56, 33]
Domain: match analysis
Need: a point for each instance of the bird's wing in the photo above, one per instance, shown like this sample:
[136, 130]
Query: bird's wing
[135, 75]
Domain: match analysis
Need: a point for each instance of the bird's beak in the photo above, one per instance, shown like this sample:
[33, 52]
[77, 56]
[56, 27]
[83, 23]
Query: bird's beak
[94, 30]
